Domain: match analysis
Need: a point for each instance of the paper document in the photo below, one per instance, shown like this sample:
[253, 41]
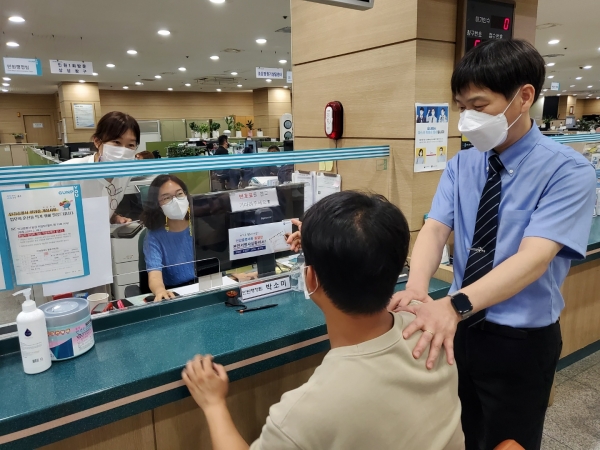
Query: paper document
[309, 186]
[247, 199]
[327, 185]
[97, 231]
[257, 240]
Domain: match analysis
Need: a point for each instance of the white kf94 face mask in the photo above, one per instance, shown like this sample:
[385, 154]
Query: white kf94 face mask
[484, 130]
[303, 275]
[176, 209]
[114, 153]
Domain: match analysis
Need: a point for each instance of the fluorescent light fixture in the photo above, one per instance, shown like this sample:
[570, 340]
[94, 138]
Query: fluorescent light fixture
[125, 87]
[164, 32]
[285, 87]
[268, 80]
[554, 41]
[550, 76]
[218, 2]
[12, 44]
[214, 57]
[138, 83]
[132, 52]
[239, 85]
[572, 85]
[261, 41]
[282, 61]
[5, 84]
[4, 90]
[218, 90]
[188, 84]
[16, 19]
[574, 95]
[545, 90]
[234, 73]
[95, 74]
[558, 95]
[82, 81]
[587, 67]
[182, 69]
[590, 86]
[550, 64]
[6, 79]
[110, 65]
[578, 78]
[169, 89]
[158, 77]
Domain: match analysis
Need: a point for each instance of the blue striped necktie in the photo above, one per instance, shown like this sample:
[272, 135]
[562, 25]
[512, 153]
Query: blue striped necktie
[483, 247]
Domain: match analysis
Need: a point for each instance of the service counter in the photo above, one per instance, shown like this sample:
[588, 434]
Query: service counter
[128, 391]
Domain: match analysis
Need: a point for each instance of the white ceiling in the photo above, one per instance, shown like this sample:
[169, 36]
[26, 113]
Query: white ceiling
[102, 32]
[577, 27]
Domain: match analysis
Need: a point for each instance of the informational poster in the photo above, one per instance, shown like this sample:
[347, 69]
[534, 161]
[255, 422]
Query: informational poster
[289, 78]
[431, 136]
[71, 67]
[257, 240]
[245, 200]
[46, 233]
[22, 66]
[84, 116]
[267, 72]
[327, 184]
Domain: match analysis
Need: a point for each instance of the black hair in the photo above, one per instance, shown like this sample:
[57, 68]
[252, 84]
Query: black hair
[115, 124]
[502, 66]
[222, 139]
[422, 109]
[357, 244]
[152, 216]
[420, 152]
[273, 149]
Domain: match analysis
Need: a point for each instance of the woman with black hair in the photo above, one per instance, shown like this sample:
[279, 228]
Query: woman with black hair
[168, 246]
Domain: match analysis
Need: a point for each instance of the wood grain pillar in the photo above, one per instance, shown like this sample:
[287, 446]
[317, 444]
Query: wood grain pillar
[69, 93]
[269, 105]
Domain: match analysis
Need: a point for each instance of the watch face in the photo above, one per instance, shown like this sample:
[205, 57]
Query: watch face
[462, 304]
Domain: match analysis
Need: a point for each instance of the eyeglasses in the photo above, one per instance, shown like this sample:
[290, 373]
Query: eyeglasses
[112, 191]
[167, 198]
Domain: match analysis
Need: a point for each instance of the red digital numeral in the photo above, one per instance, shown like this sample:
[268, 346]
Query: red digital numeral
[477, 42]
[507, 23]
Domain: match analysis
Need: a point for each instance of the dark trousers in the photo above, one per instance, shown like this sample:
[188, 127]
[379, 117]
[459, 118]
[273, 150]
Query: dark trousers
[504, 381]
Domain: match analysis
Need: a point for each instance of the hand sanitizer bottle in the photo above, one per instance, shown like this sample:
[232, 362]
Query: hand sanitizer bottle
[33, 336]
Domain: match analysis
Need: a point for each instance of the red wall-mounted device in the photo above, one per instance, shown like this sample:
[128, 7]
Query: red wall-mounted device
[334, 120]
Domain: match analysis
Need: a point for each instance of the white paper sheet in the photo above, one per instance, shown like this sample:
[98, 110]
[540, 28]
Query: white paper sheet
[257, 240]
[97, 231]
[309, 187]
[327, 185]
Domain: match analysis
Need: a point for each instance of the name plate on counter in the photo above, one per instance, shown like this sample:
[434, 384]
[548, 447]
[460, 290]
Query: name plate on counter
[262, 289]
[253, 199]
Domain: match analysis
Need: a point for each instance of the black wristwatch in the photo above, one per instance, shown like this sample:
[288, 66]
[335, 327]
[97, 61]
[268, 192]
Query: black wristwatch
[461, 304]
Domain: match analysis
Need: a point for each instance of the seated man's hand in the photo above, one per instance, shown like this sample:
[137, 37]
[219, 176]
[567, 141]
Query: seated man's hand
[403, 298]
[208, 382]
[294, 239]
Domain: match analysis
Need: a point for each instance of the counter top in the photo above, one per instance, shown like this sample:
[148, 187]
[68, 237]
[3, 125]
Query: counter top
[135, 367]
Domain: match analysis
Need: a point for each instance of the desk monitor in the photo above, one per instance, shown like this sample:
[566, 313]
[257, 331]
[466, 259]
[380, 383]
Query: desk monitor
[64, 153]
[213, 219]
[252, 145]
[81, 146]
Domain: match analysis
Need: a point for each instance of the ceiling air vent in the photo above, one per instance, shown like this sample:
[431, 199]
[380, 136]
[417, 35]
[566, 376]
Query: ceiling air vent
[147, 79]
[215, 80]
[553, 55]
[284, 30]
[544, 26]
[232, 50]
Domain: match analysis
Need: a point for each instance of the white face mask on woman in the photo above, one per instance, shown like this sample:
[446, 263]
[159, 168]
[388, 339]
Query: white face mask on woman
[114, 153]
[484, 130]
[176, 209]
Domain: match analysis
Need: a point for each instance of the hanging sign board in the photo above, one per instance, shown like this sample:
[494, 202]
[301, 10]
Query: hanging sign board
[22, 66]
[353, 4]
[71, 67]
[266, 72]
[555, 86]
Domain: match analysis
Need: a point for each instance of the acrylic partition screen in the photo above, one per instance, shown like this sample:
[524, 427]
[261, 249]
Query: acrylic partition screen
[128, 234]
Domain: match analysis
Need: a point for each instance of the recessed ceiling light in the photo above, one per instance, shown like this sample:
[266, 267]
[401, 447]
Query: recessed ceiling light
[95, 74]
[572, 85]
[6, 79]
[268, 80]
[138, 83]
[578, 78]
[5, 84]
[587, 67]
[164, 32]
[16, 19]
[282, 61]
[217, 1]
[545, 90]
[558, 95]
[590, 86]
[565, 90]
[550, 76]
[239, 85]
[261, 41]
[214, 57]
[574, 95]
[285, 87]
[4, 90]
[182, 69]
[132, 52]
[234, 73]
[158, 77]
[82, 81]
[188, 84]
[553, 41]
[218, 90]
[169, 89]
[110, 65]
[12, 44]
[125, 87]
[550, 64]
[541, 95]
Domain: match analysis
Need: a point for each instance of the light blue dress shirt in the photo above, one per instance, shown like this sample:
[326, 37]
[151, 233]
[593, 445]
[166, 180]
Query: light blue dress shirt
[548, 191]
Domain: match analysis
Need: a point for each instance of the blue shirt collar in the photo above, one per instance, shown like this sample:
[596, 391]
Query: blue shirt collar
[512, 156]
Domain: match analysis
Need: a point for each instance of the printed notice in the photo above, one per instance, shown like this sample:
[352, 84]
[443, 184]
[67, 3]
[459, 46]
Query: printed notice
[257, 240]
[46, 233]
[431, 137]
[253, 199]
[262, 289]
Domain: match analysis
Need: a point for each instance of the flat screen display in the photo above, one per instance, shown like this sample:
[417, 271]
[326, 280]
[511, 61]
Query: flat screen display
[487, 20]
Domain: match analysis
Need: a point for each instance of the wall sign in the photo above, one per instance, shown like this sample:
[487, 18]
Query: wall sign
[266, 72]
[289, 76]
[485, 20]
[38, 125]
[71, 67]
[353, 4]
[84, 117]
[22, 66]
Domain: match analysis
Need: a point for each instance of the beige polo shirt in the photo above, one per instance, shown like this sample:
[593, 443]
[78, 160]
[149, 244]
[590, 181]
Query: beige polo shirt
[372, 396]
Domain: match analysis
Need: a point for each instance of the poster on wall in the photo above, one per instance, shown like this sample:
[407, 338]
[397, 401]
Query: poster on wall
[46, 233]
[84, 117]
[431, 136]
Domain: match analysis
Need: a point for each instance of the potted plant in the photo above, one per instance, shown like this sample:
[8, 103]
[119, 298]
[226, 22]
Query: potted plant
[250, 126]
[259, 132]
[19, 137]
[238, 129]
[214, 126]
[547, 121]
[182, 151]
[585, 126]
[195, 129]
[204, 129]
[230, 122]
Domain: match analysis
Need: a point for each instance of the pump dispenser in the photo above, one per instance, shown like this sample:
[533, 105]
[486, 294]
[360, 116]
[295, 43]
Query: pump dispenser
[33, 336]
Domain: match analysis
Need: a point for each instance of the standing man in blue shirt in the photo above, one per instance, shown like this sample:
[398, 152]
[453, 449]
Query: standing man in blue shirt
[520, 206]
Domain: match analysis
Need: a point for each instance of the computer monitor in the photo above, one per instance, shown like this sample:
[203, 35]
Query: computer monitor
[213, 218]
[288, 145]
[64, 153]
[252, 145]
[81, 146]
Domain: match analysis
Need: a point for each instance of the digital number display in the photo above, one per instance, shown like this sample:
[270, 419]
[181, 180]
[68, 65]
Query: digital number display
[487, 20]
[500, 23]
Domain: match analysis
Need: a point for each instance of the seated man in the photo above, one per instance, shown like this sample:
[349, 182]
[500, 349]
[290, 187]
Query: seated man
[369, 392]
